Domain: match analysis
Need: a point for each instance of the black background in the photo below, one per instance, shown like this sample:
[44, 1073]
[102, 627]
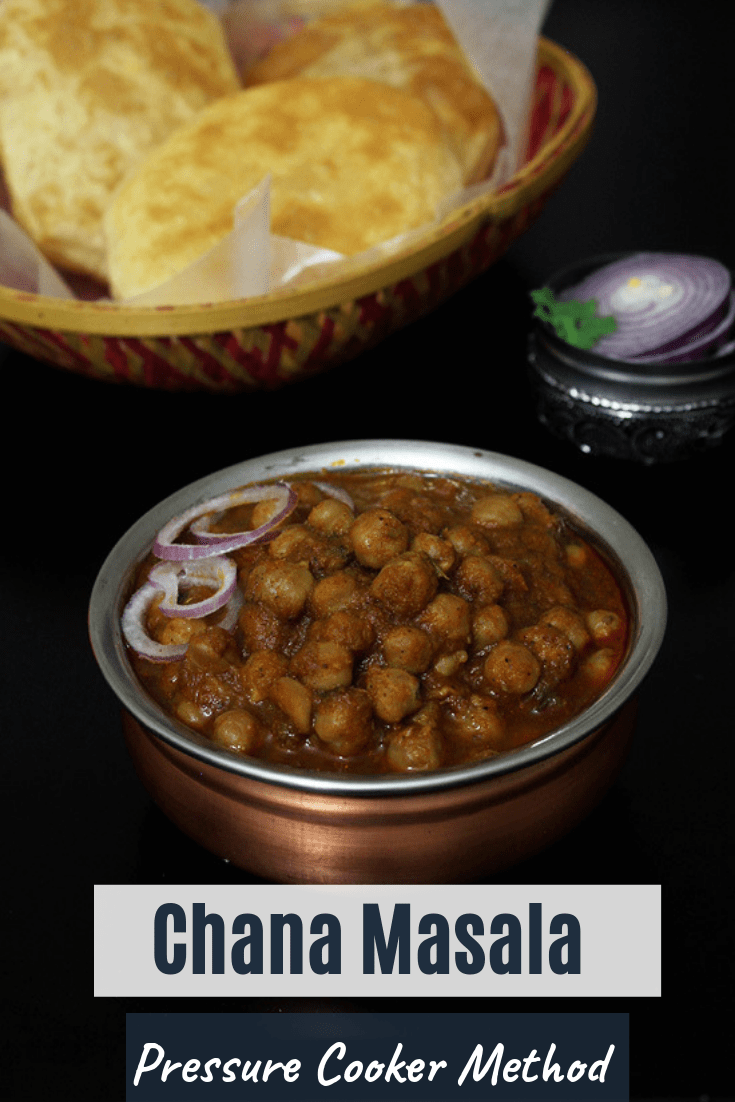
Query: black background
[82, 460]
[452, 1038]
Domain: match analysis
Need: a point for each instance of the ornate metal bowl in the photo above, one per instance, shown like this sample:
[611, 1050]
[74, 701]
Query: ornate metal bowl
[648, 413]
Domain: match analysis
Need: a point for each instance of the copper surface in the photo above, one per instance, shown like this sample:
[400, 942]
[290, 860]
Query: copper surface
[451, 835]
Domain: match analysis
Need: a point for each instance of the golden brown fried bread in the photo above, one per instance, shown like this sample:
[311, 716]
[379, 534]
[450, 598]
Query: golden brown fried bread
[88, 87]
[407, 47]
[352, 163]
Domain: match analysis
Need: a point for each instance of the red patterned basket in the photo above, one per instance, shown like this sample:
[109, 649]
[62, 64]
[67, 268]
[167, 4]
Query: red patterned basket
[268, 341]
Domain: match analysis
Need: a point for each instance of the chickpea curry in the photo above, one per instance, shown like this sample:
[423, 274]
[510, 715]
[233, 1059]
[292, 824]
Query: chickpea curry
[375, 621]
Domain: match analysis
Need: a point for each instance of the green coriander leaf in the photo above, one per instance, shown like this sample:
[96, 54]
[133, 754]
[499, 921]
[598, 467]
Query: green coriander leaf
[574, 322]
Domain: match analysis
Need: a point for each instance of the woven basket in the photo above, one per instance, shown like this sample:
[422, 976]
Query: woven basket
[265, 342]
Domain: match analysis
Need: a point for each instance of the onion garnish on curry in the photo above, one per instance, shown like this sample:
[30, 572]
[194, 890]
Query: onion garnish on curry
[198, 518]
[374, 621]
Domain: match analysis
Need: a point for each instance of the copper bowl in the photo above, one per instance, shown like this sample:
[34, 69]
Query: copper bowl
[453, 825]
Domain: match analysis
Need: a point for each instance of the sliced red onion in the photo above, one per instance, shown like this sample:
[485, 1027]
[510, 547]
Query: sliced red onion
[199, 517]
[660, 301]
[167, 577]
[216, 571]
[232, 610]
[136, 634]
[706, 344]
[335, 492]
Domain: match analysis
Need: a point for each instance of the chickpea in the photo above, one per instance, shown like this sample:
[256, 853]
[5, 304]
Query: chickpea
[246, 558]
[348, 628]
[466, 540]
[283, 587]
[329, 556]
[177, 630]
[600, 665]
[497, 511]
[553, 650]
[190, 713]
[208, 648]
[552, 592]
[260, 628]
[344, 721]
[408, 648]
[475, 720]
[416, 748]
[263, 511]
[576, 554]
[323, 666]
[295, 701]
[448, 620]
[308, 494]
[213, 694]
[406, 584]
[511, 573]
[570, 623]
[512, 668]
[259, 673]
[377, 536]
[440, 551]
[603, 624]
[477, 577]
[332, 594]
[295, 544]
[394, 693]
[331, 517]
[533, 509]
[237, 730]
[237, 518]
[490, 624]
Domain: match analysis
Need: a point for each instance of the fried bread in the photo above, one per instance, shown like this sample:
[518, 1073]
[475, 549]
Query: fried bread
[88, 88]
[352, 163]
[408, 47]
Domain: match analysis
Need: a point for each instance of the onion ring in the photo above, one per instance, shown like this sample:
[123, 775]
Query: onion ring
[660, 301]
[133, 627]
[167, 578]
[220, 543]
[216, 570]
[336, 492]
[232, 610]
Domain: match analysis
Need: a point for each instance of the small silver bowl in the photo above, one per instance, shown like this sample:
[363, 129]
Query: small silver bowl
[648, 413]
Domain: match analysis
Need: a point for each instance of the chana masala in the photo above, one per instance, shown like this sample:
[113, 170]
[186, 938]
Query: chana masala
[374, 621]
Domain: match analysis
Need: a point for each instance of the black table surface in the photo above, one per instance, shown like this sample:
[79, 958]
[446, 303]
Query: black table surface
[84, 459]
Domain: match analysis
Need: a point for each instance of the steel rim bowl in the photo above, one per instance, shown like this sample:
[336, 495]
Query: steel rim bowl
[628, 554]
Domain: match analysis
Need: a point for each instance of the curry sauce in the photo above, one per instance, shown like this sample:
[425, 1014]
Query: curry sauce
[395, 622]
